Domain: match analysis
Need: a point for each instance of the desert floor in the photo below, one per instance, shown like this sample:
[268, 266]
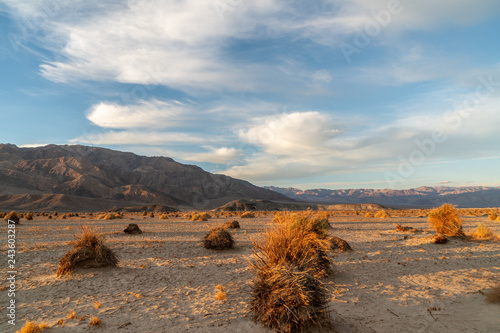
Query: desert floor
[166, 282]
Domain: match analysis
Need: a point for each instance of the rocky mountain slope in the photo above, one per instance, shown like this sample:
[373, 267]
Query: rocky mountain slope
[424, 197]
[56, 176]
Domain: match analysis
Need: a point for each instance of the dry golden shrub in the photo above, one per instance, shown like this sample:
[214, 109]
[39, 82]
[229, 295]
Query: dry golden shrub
[13, 216]
[288, 244]
[218, 239]
[289, 299]
[88, 251]
[446, 221]
[382, 214]
[306, 221]
[221, 294]
[94, 321]
[482, 233]
[247, 215]
[32, 327]
[203, 216]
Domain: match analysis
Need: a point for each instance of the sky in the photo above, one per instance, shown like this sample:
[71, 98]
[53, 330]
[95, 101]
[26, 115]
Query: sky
[309, 94]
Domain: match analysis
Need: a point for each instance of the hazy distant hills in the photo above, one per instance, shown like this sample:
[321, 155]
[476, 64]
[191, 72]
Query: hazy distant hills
[466, 197]
[74, 177]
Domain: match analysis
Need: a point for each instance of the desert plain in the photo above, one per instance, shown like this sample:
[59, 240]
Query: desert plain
[166, 281]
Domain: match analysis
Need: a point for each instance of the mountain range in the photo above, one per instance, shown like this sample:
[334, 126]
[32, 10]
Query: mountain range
[420, 197]
[82, 178]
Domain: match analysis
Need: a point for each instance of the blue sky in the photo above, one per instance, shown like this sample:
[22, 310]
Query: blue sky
[316, 94]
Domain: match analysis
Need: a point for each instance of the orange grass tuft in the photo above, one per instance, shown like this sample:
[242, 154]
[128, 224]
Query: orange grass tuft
[446, 221]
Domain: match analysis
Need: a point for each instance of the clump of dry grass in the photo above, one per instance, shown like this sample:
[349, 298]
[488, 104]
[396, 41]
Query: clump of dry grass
[301, 247]
[88, 251]
[493, 216]
[288, 299]
[32, 327]
[231, 225]
[494, 295]
[369, 214]
[439, 239]
[72, 315]
[446, 221]
[163, 217]
[203, 216]
[28, 216]
[218, 239]
[337, 243]
[287, 294]
[247, 215]
[94, 321]
[132, 229]
[305, 221]
[12, 216]
[482, 233]
[109, 216]
[221, 294]
[382, 214]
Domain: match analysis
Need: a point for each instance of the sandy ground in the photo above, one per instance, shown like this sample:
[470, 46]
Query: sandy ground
[166, 282]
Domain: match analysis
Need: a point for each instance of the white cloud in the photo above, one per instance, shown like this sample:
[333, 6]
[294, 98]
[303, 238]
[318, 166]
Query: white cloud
[307, 144]
[222, 155]
[135, 137]
[291, 133]
[145, 114]
[183, 44]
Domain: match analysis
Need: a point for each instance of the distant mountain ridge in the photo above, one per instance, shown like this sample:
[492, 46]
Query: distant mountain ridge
[424, 196]
[55, 176]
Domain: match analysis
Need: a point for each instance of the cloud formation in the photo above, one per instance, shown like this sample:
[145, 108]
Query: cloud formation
[145, 114]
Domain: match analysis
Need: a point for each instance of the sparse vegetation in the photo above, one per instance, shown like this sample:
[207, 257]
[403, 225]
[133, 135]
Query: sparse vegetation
[32, 327]
[218, 239]
[72, 315]
[12, 216]
[482, 233]
[446, 221]
[163, 217]
[28, 217]
[203, 216]
[439, 239]
[369, 214]
[231, 225]
[382, 214]
[337, 243]
[288, 298]
[305, 221]
[300, 246]
[109, 216]
[88, 251]
[94, 321]
[247, 215]
[221, 294]
[493, 216]
[132, 229]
